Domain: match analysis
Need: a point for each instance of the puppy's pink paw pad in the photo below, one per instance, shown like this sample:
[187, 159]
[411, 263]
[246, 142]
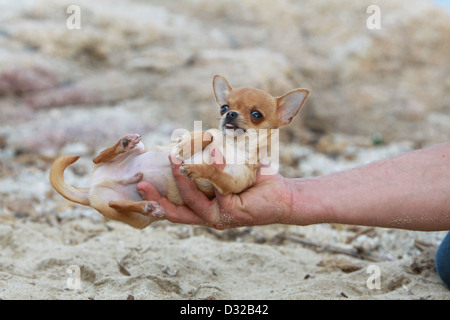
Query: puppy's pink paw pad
[155, 209]
[130, 141]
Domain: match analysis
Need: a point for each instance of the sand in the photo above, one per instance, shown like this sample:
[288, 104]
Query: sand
[41, 260]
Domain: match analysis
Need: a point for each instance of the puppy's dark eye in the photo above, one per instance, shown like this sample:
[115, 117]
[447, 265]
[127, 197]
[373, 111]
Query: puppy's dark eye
[256, 115]
[224, 109]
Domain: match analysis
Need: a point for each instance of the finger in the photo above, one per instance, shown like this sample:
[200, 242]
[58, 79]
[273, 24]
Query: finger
[206, 210]
[148, 191]
[172, 212]
[181, 214]
[266, 171]
[175, 164]
[191, 195]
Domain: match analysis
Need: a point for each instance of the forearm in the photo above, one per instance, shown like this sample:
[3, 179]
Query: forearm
[411, 191]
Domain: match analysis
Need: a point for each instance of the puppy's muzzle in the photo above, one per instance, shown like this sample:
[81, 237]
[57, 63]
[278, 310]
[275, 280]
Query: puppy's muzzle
[230, 121]
[231, 115]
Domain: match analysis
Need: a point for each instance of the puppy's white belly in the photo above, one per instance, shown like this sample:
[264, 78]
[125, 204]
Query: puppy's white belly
[158, 177]
[114, 192]
[115, 181]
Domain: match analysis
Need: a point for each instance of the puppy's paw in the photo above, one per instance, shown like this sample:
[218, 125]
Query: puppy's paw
[154, 209]
[130, 141]
[183, 147]
[194, 171]
[133, 179]
[186, 171]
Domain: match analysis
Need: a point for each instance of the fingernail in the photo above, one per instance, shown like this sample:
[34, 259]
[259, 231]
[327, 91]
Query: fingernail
[174, 160]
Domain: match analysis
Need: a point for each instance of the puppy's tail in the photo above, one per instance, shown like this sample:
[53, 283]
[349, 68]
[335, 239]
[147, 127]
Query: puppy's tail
[78, 195]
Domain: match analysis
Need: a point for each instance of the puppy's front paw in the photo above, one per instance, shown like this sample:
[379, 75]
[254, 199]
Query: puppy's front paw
[187, 171]
[183, 147]
[194, 171]
[130, 141]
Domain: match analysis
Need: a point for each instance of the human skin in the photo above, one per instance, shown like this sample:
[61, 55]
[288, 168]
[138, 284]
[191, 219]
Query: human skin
[410, 191]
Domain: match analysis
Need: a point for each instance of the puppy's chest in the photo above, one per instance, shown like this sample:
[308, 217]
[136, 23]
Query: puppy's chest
[234, 152]
[238, 154]
[242, 149]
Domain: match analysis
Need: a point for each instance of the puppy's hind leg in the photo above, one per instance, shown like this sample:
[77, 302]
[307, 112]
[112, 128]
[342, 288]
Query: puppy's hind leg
[131, 180]
[147, 208]
[125, 144]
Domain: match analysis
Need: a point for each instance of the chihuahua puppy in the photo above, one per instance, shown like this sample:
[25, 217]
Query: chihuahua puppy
[119, 168]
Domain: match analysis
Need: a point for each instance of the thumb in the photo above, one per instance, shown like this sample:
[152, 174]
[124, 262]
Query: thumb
[148, 191]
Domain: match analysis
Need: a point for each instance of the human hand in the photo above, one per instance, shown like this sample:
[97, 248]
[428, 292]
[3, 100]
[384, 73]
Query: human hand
[266, 202]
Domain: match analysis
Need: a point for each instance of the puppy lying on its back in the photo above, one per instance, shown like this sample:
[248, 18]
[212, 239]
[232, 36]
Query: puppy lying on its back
[119, 168]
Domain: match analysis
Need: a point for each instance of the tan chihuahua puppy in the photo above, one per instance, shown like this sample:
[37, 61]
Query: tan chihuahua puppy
[119, 168]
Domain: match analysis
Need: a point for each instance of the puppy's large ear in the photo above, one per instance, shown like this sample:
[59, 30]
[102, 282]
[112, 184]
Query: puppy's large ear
[290, 104]
[221, 89]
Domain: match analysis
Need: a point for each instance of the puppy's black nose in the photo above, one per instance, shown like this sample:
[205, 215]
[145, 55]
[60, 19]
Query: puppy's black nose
[232, 115]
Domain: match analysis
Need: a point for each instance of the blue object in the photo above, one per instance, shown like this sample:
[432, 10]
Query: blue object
[442, 260]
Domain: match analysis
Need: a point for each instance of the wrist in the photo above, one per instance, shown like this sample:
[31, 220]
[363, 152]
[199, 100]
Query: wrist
[305, 202]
